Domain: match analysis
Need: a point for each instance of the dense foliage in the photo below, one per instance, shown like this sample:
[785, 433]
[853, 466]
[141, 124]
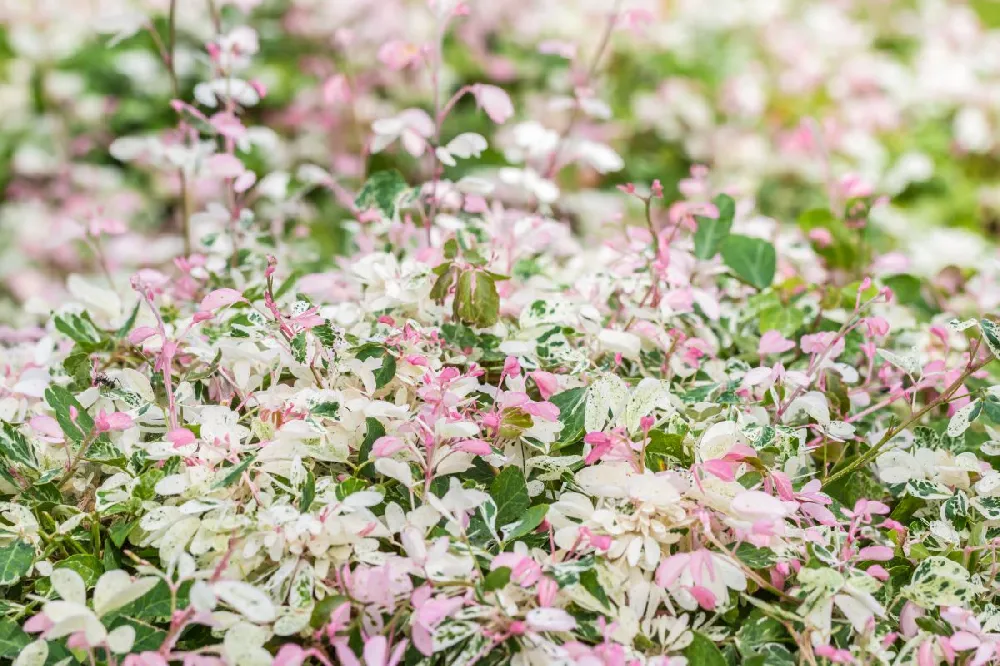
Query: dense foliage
[586, 332]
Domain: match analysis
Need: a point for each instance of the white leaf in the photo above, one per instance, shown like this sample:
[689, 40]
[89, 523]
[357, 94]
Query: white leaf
[116, 588]
[202, 597]
[177, 537]
[719, 439]
[608, 393]
[840, 430]
[959, 326]
[910, 363]
[69, 585]
[961, 419]
[301, 595]
[174, 484]
[138, 382]
[395, 469]
[620, 342]
[33, 654]
[121, 639]
[467, 145]
[812, 403]
[247, 599]
[550, 619]
[647, 395]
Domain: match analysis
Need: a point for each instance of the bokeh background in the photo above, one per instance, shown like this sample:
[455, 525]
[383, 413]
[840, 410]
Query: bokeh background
[788, 103]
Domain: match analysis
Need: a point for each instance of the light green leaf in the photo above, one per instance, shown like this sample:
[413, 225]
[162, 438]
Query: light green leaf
[712, 232]
[753, 260]
[476, 299]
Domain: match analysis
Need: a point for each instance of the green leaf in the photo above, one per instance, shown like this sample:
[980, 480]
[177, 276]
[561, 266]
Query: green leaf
[755, 558]
[12, 639]
[476, 299]
[61, 402]
[373, 431]
[154, 605]
[442, 285]
[326, 335]
[572, 405]
[348, 487]
[510, 493]
[387, 371]
[757, 631]
[234, 473]
[703, 651]
[287, 285]
[590, 582]
[298, 345]
[753, 260]
[326, 409]
[526, 523]
[841, 253]
[120, 530]
[771, 654]
[77, 365]
[15, 448]
[308, 492]
[383, 191]
[15, 561]
[89, 567]
[712, 232]
[497, 579]
[784, 319]
[482, 524]
[664, 450]
[909, 290]
[81, 329]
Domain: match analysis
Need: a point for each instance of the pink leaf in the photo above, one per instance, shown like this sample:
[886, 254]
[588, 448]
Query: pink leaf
[703, 596]
[115, 421]
[224, 165]
[474, 446]
[141, 334]
[289, 655]
[774, 342]
[876, 553]
[220, 298]
[494, 101]
[386, 446]
[180, 437]
[48, 427]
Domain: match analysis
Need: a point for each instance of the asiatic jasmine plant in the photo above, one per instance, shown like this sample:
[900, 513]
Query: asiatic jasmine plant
[482, 434]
